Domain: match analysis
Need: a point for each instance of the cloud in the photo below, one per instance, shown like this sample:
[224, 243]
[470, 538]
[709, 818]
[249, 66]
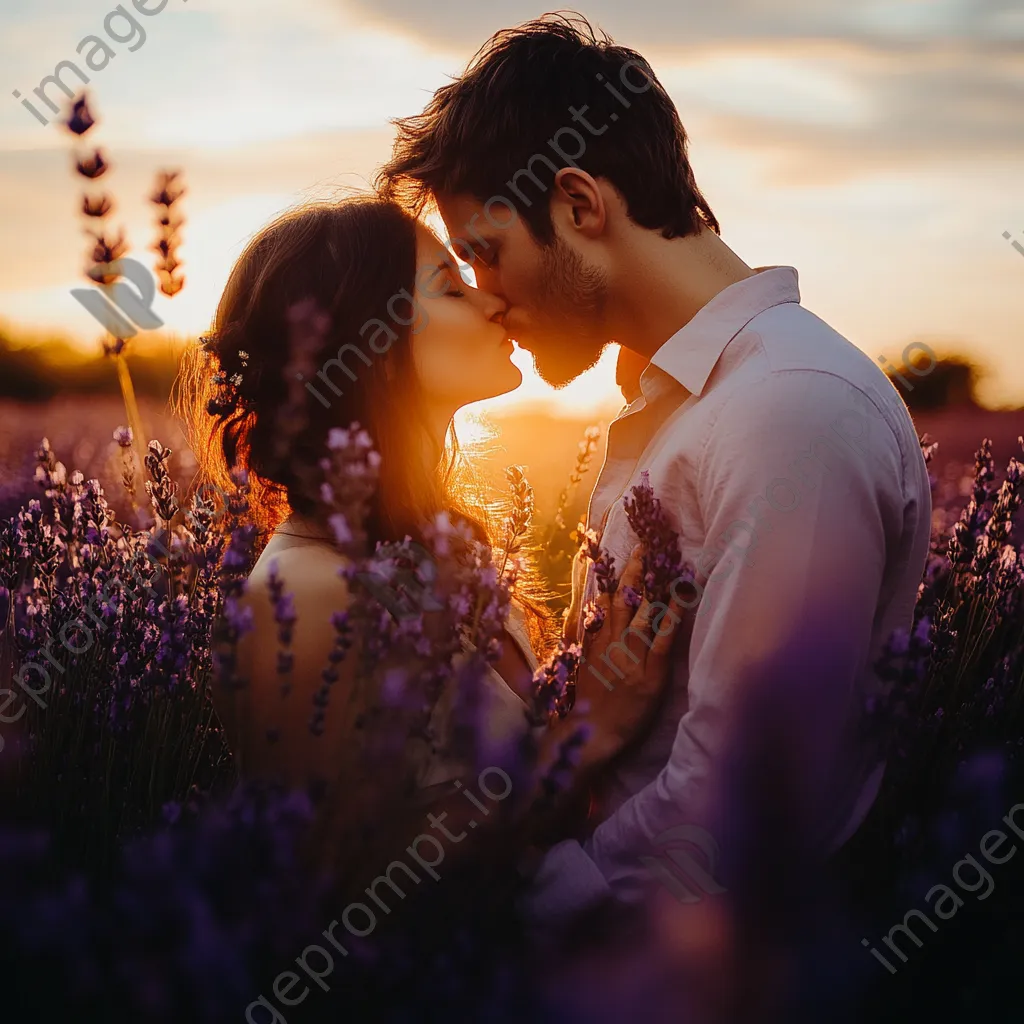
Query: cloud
[40, 196]
[945, 109]
[930, 80]
[657, 24]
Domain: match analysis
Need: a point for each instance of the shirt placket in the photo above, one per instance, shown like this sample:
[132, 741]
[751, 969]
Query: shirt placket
[628, 437]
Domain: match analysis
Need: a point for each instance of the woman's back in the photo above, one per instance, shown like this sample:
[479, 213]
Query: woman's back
[269, 718]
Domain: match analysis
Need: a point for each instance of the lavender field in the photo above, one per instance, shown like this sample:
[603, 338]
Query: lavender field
[294, 723]
[100, 846]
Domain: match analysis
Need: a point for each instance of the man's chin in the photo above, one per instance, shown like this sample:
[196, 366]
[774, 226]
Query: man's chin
[559, 369]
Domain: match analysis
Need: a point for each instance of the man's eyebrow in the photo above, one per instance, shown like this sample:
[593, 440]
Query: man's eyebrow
[471, 245]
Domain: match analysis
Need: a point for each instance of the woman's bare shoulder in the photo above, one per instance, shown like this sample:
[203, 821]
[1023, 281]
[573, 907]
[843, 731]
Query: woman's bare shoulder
[312, 573]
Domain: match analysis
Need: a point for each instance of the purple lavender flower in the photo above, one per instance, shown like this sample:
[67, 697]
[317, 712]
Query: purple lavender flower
[632, 597]
[594, 616]
[604, 564]
[662, 562]
[554, 683]
[343, 640]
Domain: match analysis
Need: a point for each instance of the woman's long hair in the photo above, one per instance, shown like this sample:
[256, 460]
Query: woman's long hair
[350, 260]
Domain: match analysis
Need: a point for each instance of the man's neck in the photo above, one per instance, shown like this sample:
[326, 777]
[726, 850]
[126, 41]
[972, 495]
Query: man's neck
[664, 283]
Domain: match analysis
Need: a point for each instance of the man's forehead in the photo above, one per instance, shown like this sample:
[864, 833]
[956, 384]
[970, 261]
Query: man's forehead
[458, 212]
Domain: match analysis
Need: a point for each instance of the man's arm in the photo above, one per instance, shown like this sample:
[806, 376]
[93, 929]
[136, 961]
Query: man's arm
[800, 486]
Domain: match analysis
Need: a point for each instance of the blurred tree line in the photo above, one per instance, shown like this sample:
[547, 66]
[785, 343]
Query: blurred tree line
[951, 384]
[37, 372]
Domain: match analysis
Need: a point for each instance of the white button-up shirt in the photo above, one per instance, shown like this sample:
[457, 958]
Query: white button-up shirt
[790, 466]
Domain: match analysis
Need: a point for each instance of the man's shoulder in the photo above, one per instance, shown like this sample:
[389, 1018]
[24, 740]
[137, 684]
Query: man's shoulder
[786, 352]
[793, 338]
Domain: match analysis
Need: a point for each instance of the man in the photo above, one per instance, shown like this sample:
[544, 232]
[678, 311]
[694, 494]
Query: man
[783, 456]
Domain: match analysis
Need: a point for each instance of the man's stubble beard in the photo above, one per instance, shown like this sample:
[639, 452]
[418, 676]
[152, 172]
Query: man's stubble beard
[571, 304]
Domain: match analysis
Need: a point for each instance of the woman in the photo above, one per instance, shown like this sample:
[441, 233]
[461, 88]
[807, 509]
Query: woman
[403, 344]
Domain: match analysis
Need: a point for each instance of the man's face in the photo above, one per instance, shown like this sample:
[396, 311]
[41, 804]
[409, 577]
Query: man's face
[556, 300]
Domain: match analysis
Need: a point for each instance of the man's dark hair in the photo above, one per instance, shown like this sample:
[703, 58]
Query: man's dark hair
[504, 129]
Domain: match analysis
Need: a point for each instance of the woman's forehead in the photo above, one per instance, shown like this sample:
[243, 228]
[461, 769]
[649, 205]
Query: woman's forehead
[428, 245]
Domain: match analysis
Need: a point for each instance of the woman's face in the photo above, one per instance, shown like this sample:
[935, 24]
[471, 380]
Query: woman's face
[460, 348]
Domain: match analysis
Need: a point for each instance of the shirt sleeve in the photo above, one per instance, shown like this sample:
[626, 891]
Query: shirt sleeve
[800, 486]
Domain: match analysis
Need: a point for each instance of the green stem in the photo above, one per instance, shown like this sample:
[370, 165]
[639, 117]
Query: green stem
[131, 406]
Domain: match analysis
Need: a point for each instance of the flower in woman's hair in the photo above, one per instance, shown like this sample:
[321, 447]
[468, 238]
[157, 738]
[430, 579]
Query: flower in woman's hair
[81, 119]
[124, 437]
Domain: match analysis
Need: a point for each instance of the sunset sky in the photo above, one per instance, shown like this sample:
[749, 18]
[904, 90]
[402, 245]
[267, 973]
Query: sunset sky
[878, 147]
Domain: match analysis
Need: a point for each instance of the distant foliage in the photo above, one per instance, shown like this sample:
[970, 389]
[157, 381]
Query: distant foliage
[40, 372]
[951, 384]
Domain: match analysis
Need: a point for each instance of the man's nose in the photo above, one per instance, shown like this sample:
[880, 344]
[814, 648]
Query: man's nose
[495, 307]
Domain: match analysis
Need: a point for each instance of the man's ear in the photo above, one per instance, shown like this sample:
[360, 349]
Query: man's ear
[579, 199]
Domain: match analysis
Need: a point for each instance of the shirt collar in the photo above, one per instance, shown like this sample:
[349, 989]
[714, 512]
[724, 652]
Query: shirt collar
[692, 352]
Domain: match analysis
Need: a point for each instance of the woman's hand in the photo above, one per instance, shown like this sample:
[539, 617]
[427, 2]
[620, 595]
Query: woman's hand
[625, 666]
[623, 673]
